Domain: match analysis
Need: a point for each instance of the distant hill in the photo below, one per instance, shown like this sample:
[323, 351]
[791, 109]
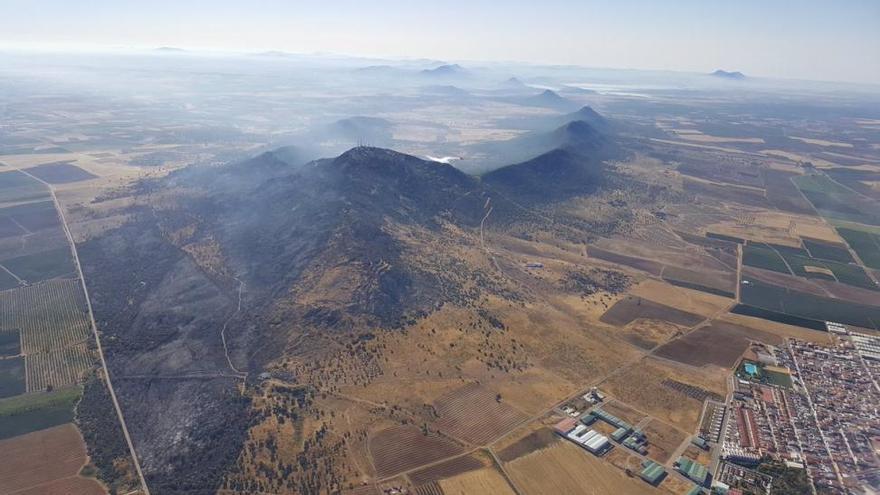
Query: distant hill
[723, 74]
[547, 99]
[577, 136]
[169, 49]
[575, 90]
[447, 70]
[360, 129]
[585, 114]
[556, 175]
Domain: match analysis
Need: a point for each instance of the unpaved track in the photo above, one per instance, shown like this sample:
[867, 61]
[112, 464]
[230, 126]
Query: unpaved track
[60, 210]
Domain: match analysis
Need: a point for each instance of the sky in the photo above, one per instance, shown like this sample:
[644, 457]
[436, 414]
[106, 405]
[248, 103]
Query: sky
[807, 39]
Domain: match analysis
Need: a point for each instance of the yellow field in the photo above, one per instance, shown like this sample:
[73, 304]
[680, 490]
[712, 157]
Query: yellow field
[817, 162]
[481, 481]
[706, 138]
[565, 468]
[692, 301]
[822, 142]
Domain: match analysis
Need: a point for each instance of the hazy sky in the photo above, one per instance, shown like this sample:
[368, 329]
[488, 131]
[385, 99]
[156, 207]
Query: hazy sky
[807, 39]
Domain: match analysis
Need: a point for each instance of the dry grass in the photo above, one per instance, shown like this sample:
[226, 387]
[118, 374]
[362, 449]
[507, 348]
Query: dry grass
[641, 386]
[488, 481]
[565, 468]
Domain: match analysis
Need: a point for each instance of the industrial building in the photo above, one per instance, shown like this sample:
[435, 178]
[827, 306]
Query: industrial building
[693, 470]
[652, 473]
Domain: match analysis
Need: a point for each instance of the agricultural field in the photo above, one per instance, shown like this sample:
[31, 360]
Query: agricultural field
[60, 173]
[32, 412]
[799, 305]
[644, 386]
[452, 467]
[475, 414]
[401, 448]
[836, 202]
[51, 320]
[41, 266]
[865, 243]
[830, 251]
[47, 462]
[17, 187]
[632, 308]
[718, 343]
[764, 257]
[538, 439]
[663, 440]
[30, 217]
[565, 468]
[12, 378]
[487, 481]
[10, 343]
[47, 370]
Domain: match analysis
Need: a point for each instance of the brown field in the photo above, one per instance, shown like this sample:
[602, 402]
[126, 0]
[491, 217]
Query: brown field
[565, 468]
[819, 269]
[698, 454]
[817, 162]
[401, 448]
[642, 386]
[780, 329]
[699, 137]
[631, 308]
[644, 265]
[822, 142]
[428, 489]
[663, 440]
[717, 343]
[46, 461]
[691, 301]
[485, 481]
[648, 334]
[447, 469]
[536, 440]
[473, 414]
[722, 281]
[623, 411]
[362, 490]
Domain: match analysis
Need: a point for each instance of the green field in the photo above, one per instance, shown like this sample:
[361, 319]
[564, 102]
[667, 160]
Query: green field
[16, 186]
[828, 251]
[7, 281]
[10, 343]
[12, 377]
[782, 300]
[763, 257]
[42, 266]
[865, 244]
[835, 201]
[32, 412]
[845, 273]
